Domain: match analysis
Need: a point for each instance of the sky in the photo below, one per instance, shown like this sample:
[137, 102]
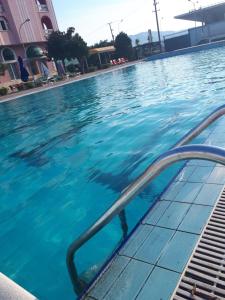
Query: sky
[91, 17]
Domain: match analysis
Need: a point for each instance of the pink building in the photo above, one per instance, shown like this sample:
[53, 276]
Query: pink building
[24, 28]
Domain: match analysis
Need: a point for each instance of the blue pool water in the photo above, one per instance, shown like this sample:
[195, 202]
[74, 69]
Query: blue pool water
[66, 154]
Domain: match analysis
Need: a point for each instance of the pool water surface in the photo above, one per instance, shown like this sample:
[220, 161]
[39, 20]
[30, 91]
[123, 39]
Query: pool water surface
[67, 153]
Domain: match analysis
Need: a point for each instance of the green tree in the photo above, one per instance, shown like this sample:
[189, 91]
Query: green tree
[76, 48]
[69, 33]
[104, 43]
[68, 45]
[57, 45]
[123, 45]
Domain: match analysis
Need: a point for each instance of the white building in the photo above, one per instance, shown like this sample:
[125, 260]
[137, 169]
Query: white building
[212, 28]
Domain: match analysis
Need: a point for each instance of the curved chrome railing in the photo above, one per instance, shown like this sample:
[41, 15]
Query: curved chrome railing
[177, 154]
[174, 155]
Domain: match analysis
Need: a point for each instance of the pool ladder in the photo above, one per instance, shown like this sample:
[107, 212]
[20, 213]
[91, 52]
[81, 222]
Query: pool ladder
[179, 152]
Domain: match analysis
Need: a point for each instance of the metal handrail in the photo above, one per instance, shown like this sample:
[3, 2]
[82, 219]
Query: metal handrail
[177, 154]
[174, 155]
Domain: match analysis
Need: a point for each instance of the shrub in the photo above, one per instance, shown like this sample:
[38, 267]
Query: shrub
[105, 66]
[59, 78]
[38, 83]
[92, 69]
[3, 91]
[72, 69]
[29, 85]
[20, 87]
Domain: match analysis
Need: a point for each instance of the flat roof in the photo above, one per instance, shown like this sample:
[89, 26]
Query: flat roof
[102, 50]
[213, 12]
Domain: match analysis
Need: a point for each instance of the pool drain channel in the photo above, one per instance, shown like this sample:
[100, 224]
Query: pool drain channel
[204, 276]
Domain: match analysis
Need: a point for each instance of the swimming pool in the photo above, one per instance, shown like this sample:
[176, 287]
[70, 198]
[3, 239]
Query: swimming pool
[66, 154]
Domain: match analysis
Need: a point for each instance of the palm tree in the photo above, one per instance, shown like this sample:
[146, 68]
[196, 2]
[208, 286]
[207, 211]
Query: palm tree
[137, 42]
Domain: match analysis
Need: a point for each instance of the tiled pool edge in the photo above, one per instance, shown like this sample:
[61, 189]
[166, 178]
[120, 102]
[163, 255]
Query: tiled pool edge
[103, 272]
[110, 260]
[196, 246]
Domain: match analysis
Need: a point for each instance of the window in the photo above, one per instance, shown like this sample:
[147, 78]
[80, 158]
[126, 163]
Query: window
[10, 60]
[41, 2]
[8, 55]
[1, 8]
[42, 6]
[46, 23]
[3, 24]
[13, 71]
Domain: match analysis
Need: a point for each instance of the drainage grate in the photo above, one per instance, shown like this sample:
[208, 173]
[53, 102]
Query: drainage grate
[204, 276]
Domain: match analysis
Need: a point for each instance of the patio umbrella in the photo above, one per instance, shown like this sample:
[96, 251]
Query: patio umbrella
[23, 72]
[44, 70]
[60, 68]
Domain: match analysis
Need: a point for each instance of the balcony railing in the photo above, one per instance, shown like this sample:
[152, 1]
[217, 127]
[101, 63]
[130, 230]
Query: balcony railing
[47, 32]
[43, 7]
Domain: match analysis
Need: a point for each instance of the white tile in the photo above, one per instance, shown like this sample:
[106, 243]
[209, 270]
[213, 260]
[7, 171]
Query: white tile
[172, 191]
[136, 240]
[208, 194]
[128, 285]
[156, 212]
[200, 174]
[217, 176]
[109, 277]
[185, 173]
[189, 192]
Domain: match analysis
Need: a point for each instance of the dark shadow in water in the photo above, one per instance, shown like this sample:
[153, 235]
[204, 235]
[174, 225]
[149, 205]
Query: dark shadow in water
[118, 182]
[35, 157]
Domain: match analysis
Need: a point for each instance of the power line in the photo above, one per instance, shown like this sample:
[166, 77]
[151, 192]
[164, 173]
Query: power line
[123, 19]
[97, 29]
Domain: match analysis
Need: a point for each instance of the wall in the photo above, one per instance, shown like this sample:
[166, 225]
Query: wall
[177, 42]
[16, 11]
[186, 50]
[208, 32]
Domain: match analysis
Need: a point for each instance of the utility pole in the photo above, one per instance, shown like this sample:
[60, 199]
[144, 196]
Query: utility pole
[110, 27]
[157, 22]
[194, 5]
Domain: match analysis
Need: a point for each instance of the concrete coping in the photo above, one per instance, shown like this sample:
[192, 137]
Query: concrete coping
[9, 290]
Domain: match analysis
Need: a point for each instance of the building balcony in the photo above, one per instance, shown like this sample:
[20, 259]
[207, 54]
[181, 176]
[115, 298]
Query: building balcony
[47, 32]
[1, 8]
[43, 7]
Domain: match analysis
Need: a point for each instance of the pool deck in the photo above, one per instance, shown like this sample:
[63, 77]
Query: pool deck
[9, 290]
[152, 261]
